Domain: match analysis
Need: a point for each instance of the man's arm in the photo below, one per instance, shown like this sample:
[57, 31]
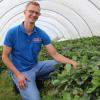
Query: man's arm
[5, 57]
[7, 61]
[58, 57]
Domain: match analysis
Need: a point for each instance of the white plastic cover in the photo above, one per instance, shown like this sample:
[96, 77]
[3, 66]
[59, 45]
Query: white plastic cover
[61, 19]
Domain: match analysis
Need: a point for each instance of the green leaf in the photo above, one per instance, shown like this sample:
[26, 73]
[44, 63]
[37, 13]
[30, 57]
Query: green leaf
[96, 73]
[68, 69]
[96, 81]
[66, 96]
[78, 91]
[90, 90]
[74, 58]
[62, 75]
[76, 97]
[56, 82]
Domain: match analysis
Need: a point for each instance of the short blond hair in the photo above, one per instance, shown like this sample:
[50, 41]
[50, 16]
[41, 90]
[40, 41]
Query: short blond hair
[32, 3]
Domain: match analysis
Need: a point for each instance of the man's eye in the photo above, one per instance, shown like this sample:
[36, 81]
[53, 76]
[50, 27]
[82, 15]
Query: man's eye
[33, 12]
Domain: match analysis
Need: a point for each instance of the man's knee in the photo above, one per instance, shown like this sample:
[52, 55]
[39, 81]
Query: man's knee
[52, 62]
[30, 96]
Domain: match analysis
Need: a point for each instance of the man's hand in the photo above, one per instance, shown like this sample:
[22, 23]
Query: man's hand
[75, 65]
[22, 80]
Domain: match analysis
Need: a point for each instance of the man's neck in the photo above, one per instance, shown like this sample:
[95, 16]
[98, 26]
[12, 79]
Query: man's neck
[29, 27]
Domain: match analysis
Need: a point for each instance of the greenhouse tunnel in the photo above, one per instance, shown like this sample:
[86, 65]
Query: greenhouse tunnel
[74, 28]
[61, 19]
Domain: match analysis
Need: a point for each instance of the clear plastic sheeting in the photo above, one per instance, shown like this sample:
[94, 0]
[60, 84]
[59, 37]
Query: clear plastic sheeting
[61, 19]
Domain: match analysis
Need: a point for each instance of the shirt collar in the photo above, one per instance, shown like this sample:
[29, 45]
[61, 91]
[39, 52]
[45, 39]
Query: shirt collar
[24, 31]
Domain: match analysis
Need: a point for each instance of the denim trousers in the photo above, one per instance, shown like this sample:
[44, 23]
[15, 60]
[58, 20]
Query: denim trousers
[41, 70]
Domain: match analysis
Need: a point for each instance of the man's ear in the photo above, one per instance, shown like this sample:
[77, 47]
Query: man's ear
[24, 11]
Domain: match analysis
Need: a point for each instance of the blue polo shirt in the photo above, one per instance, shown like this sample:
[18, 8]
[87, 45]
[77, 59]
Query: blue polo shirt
[25, 48]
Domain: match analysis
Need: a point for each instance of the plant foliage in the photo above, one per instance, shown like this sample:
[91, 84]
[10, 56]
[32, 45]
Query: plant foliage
[80, 84]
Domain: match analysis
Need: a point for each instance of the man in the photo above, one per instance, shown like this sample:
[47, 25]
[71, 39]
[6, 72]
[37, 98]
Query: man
[21, 48]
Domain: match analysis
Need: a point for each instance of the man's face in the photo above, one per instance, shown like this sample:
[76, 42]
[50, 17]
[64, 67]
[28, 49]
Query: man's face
[32, 13]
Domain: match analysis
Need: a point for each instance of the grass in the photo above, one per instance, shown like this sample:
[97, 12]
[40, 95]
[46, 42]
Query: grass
[6, 87]
[7, 92]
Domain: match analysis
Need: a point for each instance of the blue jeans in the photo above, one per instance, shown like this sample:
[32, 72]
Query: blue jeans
[41, 70]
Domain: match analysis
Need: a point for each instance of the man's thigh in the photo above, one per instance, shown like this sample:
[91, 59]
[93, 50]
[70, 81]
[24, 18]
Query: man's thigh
[30, 92]
[45, 67]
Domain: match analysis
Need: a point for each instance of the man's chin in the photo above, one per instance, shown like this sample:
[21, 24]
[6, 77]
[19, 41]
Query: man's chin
[32, 22]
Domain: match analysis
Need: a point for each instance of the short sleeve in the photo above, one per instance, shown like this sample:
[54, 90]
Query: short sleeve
[9, 39]
[46, 39]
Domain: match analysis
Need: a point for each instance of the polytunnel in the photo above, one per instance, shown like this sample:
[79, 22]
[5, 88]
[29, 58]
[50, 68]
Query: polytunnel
[61, 19]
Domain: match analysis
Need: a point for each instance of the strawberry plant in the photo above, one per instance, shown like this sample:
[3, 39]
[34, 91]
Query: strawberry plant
[80, 84]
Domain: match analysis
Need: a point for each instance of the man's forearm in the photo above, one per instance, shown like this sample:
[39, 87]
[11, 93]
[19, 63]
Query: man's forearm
[61, 59]
[10, 65]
